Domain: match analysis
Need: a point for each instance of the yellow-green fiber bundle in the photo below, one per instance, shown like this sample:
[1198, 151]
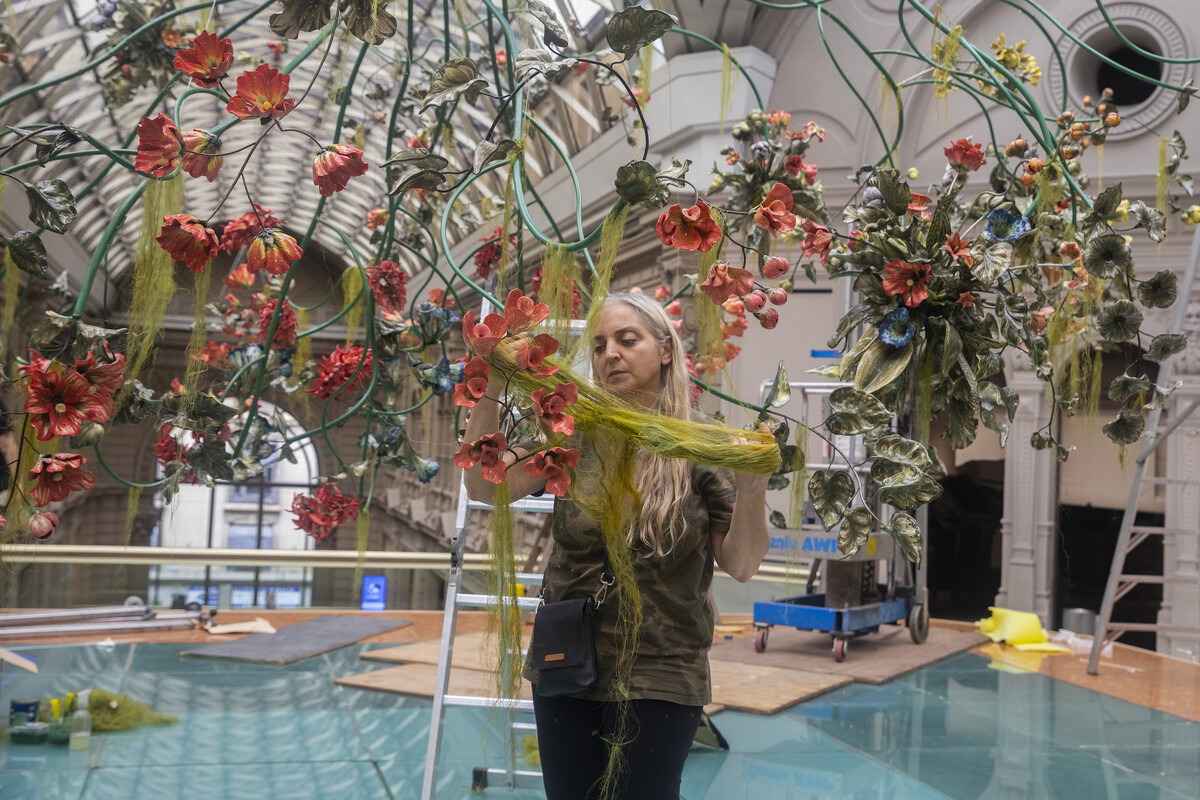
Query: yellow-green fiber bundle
[502, 583]
[118, 712]
[610, 242]
[726, 97]
[131, 511]
[505, 230]
[352, 289]
[363, 536]
[709, 340]
[195, 366]
[153, 274]
[560, 272]
[303, 355]
[799, 487]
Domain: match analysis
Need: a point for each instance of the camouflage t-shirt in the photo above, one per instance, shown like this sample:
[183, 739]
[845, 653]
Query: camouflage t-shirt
[672, 656]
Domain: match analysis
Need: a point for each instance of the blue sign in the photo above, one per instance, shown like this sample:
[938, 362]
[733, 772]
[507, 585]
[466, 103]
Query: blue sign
[374, 592]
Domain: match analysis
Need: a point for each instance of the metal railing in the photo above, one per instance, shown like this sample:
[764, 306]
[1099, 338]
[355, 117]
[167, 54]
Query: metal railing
[337, 559]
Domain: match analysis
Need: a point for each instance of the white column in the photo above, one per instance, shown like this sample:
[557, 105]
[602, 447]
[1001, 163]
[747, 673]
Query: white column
[1181, 553]
[1029, 525]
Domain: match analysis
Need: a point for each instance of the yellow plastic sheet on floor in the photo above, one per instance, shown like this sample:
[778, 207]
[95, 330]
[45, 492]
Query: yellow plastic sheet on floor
[1021, 629]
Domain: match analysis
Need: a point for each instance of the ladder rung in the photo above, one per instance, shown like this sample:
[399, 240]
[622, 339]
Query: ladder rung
[1134, 578]
[487, 600]
[524, 726]
[1152, 530]
[488, 702]
[542, 505]
[1152, 626]
[529, 578]
[519, 779]
[1159, 479]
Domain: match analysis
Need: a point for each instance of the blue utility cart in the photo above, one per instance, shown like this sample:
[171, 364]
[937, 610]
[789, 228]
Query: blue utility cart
[849, 607]
[808, 612]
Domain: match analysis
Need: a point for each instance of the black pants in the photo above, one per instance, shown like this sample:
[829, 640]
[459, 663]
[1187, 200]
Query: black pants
[574, 754]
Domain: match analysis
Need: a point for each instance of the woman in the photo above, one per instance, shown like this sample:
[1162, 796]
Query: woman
[688, 521]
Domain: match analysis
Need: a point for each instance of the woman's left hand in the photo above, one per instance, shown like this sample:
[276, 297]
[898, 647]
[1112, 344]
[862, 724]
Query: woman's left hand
[749, 482]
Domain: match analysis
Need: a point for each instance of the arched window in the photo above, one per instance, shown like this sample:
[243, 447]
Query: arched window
[253, 513]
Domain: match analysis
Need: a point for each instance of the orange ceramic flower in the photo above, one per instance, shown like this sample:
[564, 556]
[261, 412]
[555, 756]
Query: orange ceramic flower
[56, 476]
[488, 451]
[389, 286]
[285, 331]
[237, 232]
[202, 158]
[158, 146]
[532, 355]
[552, 465]
[907, 280]
[966, 299]
[59, 403]
[187, 239]
[241, 278]
[261, 92]
[335, 166]
[474, 383]
[818, 240]
[484, 336]
[274, 251]
[207, 60]
[774, 213]
[550, 407]
[724, 281]
[521, 313]
[376, 218]
[693, 229]
[965, 155]
[335, 371]
[958, 249]
[104, 378]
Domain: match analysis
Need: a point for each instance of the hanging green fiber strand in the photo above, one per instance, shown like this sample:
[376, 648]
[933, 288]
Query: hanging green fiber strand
[506, 621]
[560, 272]
[1093, 398]
[610, 242]
[352, 286]
[131, 511]
[153, 275]
[727, 76]
[710, 343]
[12, 294]
[506, 228]
[363, 531]
[303, 355]
[799, 494]
[195, 365]
[924, 409]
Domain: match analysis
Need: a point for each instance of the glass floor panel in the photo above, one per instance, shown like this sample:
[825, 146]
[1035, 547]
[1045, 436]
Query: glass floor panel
[956, 729]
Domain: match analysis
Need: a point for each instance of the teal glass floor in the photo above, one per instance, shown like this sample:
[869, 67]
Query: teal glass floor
[957, 729]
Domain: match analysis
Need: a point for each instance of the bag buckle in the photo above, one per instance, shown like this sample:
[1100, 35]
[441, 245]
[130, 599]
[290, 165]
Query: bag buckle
[607, 579]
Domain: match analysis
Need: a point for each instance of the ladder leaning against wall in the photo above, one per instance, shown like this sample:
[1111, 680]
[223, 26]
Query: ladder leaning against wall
[1132, 535]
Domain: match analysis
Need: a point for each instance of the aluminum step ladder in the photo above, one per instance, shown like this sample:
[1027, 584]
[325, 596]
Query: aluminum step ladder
[1131, 535]
[508, 777]
[505, 777]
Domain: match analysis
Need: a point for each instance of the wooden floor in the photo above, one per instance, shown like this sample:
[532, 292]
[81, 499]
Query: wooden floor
[792, 657]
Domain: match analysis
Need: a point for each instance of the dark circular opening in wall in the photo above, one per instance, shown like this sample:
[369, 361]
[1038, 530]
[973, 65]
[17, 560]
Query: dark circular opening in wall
[1127, 89]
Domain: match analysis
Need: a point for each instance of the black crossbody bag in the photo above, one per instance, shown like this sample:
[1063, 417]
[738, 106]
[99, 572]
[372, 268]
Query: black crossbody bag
[563, 646]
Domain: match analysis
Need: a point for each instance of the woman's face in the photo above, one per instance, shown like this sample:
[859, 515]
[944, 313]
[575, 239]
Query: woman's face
[625, 357]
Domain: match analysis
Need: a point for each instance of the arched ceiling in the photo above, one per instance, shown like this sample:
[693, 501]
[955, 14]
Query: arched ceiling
[56, 38]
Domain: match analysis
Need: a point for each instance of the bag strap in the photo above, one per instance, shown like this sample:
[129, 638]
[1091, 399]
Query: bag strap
[607, 579]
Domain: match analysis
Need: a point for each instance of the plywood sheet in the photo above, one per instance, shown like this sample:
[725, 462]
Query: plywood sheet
[760, 689]
[421, 679]
[471, 651]
[875, 658]
[295, 642]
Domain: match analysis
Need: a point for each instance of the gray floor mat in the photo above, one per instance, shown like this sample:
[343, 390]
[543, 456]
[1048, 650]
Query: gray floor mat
[299, 641]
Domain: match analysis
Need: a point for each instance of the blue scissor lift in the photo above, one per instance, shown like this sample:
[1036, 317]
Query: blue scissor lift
[848, 615]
